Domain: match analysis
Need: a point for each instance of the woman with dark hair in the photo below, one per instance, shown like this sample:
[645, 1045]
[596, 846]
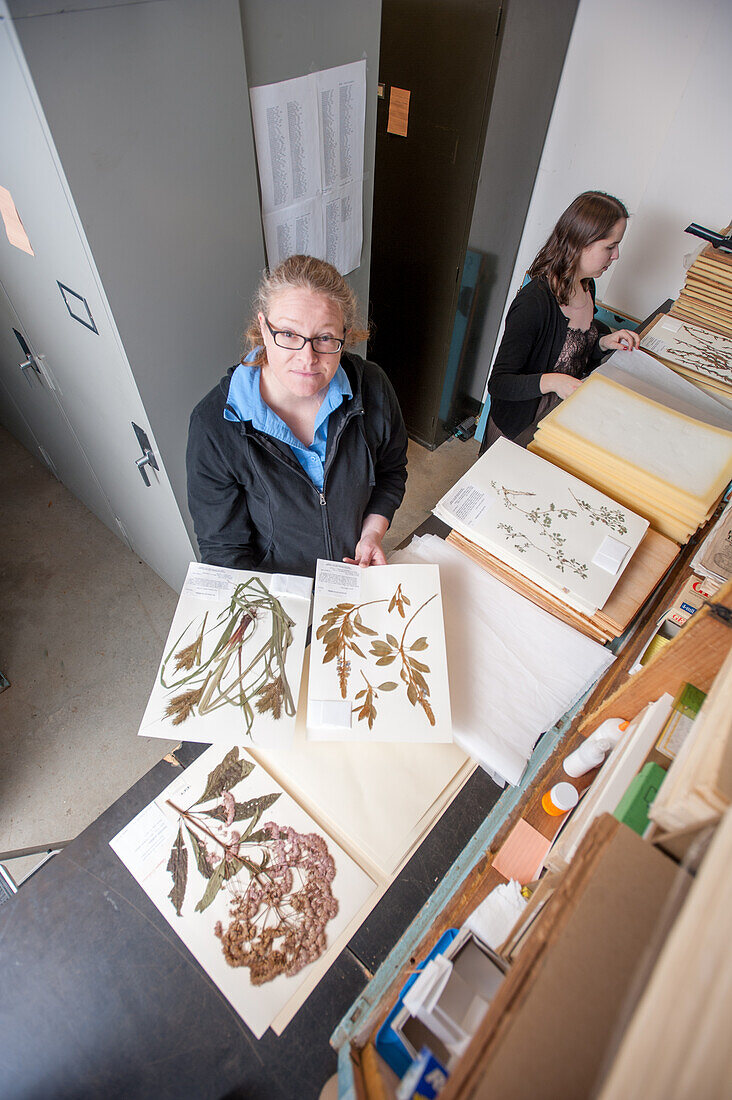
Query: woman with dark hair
[300, 452]
[551, 340]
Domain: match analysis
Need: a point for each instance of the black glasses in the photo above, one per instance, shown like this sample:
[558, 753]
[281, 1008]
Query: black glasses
[293, 341]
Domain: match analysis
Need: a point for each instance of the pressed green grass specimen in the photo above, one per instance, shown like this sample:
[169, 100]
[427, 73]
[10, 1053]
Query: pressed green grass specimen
[247, 646]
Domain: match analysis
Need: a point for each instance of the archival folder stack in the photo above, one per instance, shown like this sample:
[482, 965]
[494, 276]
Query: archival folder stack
[706, 298]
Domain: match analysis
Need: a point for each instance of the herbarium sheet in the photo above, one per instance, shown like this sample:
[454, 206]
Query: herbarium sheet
[697, 351]
[258, 893]
[378, 670]
[233, 659]
[550, 526]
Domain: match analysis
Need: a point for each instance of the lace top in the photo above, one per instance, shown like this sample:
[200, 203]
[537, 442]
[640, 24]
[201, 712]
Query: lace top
[576, 351]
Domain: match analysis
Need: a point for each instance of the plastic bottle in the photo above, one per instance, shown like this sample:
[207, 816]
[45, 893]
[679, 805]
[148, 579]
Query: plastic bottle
[591, 752]
[562, 798]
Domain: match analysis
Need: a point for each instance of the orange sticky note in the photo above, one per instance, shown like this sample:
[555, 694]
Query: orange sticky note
[398, 120]
[13, 225]
[522, 853]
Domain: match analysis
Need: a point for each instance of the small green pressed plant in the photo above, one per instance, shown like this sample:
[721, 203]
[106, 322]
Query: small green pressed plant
[278, 881]
[544, 519]
[235, 672]
[614, 518]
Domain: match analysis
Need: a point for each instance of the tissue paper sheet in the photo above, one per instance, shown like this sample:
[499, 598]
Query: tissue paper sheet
[514, 669]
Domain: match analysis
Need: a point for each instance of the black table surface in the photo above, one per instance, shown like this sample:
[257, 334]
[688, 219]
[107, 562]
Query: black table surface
[99, 997]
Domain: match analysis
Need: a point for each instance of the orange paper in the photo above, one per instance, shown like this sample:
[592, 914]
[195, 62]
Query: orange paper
[522, 853]
[398, 120]
[13, 225]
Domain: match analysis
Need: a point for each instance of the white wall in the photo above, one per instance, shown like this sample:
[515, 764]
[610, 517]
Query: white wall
[642, 111]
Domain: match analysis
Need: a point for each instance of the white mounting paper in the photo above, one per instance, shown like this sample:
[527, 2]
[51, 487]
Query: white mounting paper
[206, 599]
[378, 644]
[696, 349]
[145, 846]
[543, 522]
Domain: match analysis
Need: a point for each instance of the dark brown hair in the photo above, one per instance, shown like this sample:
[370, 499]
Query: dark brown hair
[589, 218]
[304, 273]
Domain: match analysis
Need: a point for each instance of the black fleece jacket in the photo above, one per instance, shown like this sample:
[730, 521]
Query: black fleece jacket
[253, 505]
[532, 340]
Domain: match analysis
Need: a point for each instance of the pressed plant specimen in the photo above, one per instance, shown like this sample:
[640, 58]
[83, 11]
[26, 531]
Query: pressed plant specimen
[366, 700]
[412, 671]
[705, 352]
[614, 518]
[245, 667]
[544, 519]
[277, 880]
[338, 629]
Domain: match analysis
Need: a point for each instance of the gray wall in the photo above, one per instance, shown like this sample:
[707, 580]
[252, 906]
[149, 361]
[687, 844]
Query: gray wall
[287, 38]
[535, 39]
[148, 106]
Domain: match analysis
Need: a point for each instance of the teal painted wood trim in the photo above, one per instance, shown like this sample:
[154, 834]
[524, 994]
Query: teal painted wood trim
[358, 1019]
[468, 283]
[346, 1081]
[483, 422]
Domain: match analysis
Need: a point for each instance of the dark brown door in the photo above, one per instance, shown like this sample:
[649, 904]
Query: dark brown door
[444, 53]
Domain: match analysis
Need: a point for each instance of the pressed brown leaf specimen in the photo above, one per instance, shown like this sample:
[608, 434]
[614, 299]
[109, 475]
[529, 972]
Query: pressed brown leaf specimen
[178, 867]
[245, 664]
[399, 601]
[366, 707]
[412, 672]
[338, 629]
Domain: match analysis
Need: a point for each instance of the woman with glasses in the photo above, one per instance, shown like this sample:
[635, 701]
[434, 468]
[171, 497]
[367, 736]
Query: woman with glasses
[300, 452]
[551, 340]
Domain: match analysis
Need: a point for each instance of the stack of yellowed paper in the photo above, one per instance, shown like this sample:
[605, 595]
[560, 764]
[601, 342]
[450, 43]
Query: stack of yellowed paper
[664, 465]
[706, 298]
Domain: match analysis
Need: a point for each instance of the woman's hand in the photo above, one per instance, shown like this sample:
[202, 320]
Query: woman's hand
[560, 384]
[622, 340]
[368, 551]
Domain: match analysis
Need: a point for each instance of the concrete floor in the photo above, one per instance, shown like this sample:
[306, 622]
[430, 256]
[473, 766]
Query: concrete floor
[83, 624]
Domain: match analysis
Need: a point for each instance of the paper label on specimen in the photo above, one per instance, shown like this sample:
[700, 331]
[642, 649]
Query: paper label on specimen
[468, 503]
[209, 582]
[333, 578]
[381, 650]
[233, 659]
[245, 877]
[611, 554]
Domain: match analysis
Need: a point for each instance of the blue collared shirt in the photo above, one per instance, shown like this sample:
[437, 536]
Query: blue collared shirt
[248, 403]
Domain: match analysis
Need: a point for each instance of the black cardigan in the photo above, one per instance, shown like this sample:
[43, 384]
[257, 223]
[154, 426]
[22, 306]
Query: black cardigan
[253, 505]
[532, 341]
